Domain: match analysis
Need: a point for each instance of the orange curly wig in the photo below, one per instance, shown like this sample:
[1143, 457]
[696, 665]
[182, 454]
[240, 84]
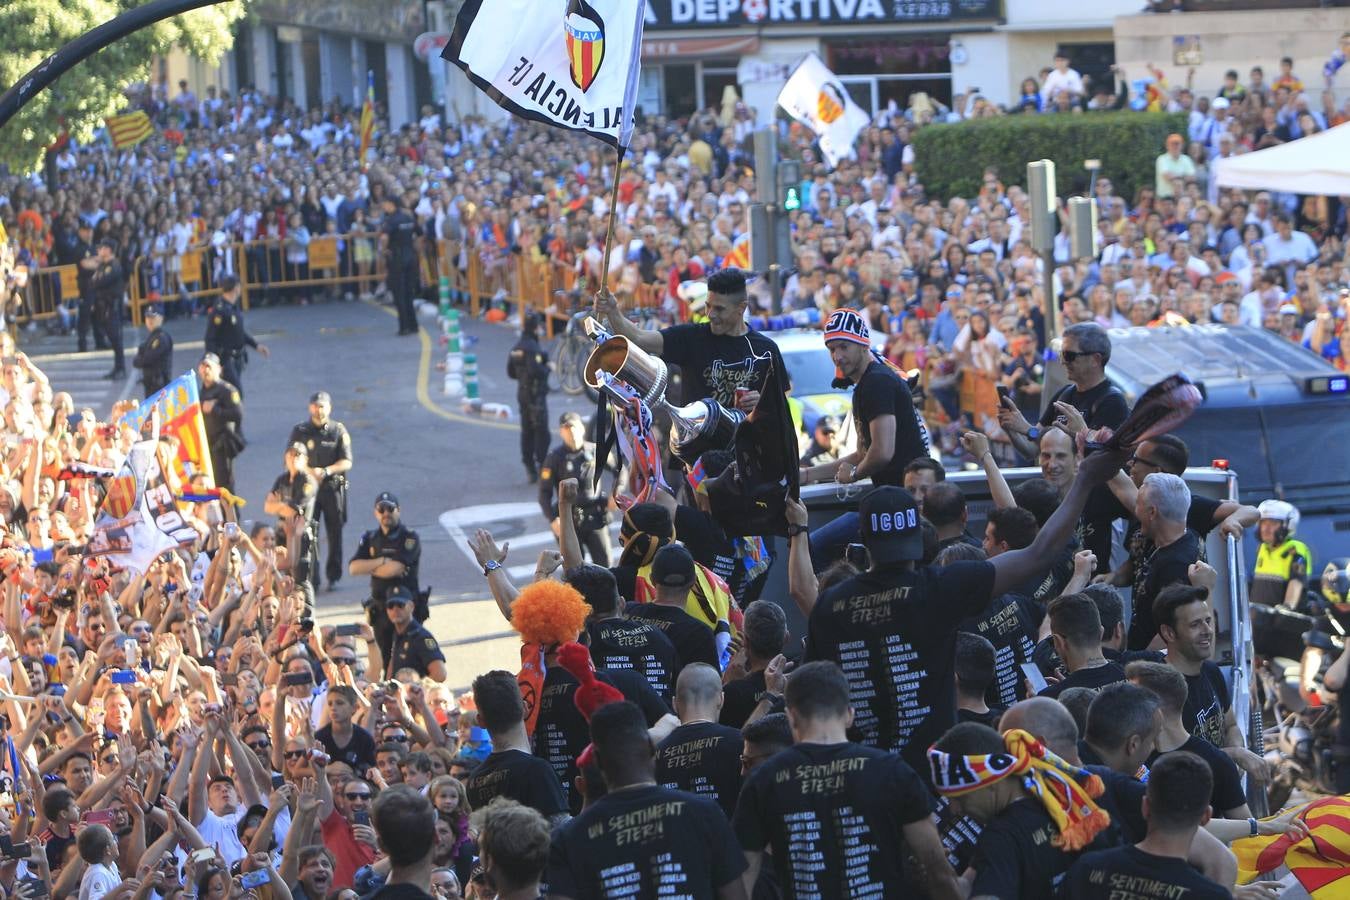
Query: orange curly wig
[549, 612]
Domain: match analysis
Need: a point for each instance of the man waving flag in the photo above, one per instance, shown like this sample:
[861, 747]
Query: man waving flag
[817, 99]
[569, 63]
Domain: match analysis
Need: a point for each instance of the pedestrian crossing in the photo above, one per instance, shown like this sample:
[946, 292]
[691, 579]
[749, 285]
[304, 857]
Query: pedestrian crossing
[509, 523]
[82, 376]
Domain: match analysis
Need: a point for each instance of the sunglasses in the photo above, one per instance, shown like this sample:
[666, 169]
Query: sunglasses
[385, 507]
[296, 754]
[343, 660]
[392, 603]
[259, 745]
[354, 797]
[1073, 355]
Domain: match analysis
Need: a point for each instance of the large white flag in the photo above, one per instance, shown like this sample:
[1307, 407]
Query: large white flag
[817, 99]
[139, 518]
[568, 63]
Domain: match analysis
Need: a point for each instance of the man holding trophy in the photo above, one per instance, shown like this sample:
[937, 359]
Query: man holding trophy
[721, 359]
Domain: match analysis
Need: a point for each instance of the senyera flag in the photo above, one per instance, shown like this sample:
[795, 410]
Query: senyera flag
[570, 63]
[1319, 859]
[367, 120]
[817, 99]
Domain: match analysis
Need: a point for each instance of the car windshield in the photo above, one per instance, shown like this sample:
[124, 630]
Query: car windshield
[810, 370]
[1290, 450]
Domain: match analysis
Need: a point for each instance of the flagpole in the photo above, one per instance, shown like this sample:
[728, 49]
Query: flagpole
[609, 229]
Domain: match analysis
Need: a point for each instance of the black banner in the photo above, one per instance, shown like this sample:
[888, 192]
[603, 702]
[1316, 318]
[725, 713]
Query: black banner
[668, 14]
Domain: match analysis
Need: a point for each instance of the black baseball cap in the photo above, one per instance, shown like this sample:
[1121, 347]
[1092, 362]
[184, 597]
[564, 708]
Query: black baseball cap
[107, 242]
[398, 594]
[673, 567]
[386, 497]
[890, 525]
[154, 309]
[829, 423]
[570, 418]
[320, 397]
[211, 358]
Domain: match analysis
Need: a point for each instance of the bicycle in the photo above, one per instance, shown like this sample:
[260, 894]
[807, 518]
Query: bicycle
[570, 353]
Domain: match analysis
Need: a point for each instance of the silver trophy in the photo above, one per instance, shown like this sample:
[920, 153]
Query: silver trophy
[617, 363]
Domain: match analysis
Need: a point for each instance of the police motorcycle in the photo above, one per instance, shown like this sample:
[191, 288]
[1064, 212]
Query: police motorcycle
[1294, 649]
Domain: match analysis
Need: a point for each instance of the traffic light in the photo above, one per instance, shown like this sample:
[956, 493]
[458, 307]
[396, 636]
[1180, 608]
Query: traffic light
[790, 185]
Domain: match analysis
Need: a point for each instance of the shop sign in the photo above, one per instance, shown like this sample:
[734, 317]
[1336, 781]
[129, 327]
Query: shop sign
[725, 13]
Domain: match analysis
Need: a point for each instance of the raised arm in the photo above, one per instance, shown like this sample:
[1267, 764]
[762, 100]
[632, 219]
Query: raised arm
[977, 445]
[607, 308]
[802, 583]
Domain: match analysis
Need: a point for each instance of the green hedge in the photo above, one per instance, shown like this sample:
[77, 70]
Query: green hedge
[950, 159]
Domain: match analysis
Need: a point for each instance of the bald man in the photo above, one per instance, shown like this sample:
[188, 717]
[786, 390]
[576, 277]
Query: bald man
[701, 756]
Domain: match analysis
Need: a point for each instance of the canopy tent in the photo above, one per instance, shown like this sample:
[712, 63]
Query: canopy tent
[1317, 164]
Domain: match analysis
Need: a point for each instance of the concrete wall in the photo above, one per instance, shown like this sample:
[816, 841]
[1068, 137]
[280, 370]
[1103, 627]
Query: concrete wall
[399, 61]
[1235, 40]
[336, 73]
[265, 58]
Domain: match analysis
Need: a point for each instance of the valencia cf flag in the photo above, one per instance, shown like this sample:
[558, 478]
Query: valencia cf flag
[567, 63]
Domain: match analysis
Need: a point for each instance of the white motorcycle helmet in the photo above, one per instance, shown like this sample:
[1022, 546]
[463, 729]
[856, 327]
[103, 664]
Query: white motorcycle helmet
[1282, 512]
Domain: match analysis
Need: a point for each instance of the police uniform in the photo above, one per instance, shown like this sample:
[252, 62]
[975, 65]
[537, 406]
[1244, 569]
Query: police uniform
[154, 357]
[227, 337]
[416, 649]
[223, 437]
[402, 544]
[299, 491]
[1276, 567]
[591, 509]
[400, 228]
[327, 444]
[84, 321]
[527, 365]
[107, 286]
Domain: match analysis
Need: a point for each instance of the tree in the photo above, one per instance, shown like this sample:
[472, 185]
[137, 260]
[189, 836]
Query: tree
[92, 90]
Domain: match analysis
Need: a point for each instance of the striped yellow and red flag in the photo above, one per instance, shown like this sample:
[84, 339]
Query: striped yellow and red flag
[1320, 861]
[739, 257]
[129, 129]
[367, 120]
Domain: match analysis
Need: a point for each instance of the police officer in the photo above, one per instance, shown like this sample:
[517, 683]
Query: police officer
[223, 416]
[330, 459]
[1282, 562]
[389, 555]
[575, 458]
[154, 357]
[107, 286]
[410, 646]
[396, 242]
[528, 367]
[292, 501]
[226, 335]
[84, 254]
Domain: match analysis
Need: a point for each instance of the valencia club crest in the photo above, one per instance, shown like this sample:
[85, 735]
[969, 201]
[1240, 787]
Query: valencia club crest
[585, 42]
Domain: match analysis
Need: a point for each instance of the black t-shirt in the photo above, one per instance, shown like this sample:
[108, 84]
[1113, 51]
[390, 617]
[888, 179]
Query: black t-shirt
[632, 644]
[1163, 566]
[1207, 703]
[694, 641]
[1009, 623]
[1123, 800]
[1131, 874]
[517, 775]
[359, 752]
[710, 547]
[1015, 858]
[400, 891]
[881, 392]
[400, 228]
[1227, 793]
[1102, 406]
[1095, 678]
[894, 634]
[645, 842]
[740, 697]
[833, 816]
[703, 758]
[989, 718]
[561, 733]
[713, 365]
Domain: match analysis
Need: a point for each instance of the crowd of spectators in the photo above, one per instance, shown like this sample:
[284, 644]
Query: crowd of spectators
[190, 727]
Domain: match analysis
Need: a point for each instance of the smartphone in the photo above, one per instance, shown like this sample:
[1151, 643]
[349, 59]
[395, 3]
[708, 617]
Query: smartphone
[206, 854]
[254, 879]
[857, 555]
[229, 679]
[123, 676]
[361, 817]
[1034, 677]
[56, 690]
[100, 817]
[1003, 393]
[11, 850]
[348, 630]
[293, 678]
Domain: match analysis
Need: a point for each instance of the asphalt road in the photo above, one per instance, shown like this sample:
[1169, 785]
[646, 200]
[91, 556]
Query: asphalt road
[451, 472]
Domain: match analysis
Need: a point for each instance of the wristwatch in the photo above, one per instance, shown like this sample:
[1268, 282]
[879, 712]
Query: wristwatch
[490, 566]
[1255, 826]
[794, 530]
[1034, 433]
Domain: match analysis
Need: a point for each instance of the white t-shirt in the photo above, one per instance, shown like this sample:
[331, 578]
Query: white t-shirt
[98, 879]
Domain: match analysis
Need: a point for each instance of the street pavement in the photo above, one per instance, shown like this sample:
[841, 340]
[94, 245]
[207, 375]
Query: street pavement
[452, 472]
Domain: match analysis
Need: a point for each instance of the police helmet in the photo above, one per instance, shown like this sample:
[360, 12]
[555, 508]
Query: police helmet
[1280, 511]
